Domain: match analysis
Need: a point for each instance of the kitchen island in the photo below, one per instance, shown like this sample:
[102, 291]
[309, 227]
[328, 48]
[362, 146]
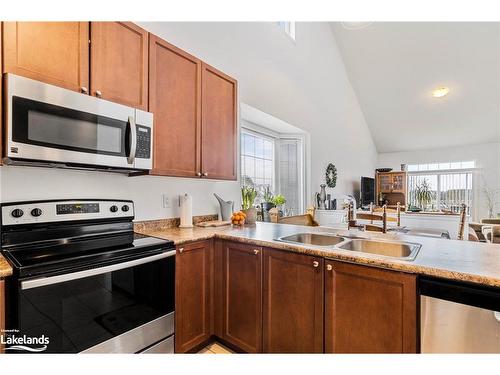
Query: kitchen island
[450, 259]
[248, 288]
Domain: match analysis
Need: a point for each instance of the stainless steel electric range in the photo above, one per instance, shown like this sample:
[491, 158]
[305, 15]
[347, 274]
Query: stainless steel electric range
[83, 281]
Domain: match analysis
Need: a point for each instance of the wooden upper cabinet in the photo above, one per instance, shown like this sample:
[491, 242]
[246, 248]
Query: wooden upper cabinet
[175, 100]
[193, 278]
[293, 303]
[52, 52]
[369, 310]
[218, 124]
[242, 296]
[119, 63]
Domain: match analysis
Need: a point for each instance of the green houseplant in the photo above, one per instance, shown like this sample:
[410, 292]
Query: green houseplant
[248, 195]
[423, 194]
[278, 200]
[267, 197]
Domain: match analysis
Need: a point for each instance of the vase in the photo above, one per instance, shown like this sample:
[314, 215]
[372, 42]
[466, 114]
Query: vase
[266, 206]
[251, 217]
[321, 197]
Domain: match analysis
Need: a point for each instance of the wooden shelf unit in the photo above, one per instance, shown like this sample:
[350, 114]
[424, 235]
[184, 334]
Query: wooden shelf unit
[393, 186]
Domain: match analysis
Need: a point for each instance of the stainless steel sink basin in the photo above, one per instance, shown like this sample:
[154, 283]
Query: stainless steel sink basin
[313, 239]
[393, 249]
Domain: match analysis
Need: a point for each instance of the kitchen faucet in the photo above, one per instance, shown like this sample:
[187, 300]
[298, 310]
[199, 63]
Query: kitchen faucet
[352, 204]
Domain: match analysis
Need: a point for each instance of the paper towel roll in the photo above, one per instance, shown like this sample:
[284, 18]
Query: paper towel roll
[186, 211]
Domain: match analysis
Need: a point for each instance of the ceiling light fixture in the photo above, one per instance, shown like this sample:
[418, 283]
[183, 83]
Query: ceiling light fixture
[440, 92]
[355, 25]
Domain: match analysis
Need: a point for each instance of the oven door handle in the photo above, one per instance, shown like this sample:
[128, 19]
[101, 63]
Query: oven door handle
[132, 140]
[43, 281]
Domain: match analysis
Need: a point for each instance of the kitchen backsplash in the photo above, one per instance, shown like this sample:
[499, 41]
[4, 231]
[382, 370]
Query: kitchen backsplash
[30, 183]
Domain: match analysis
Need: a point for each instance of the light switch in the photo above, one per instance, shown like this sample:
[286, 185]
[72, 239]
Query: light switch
[165, 201]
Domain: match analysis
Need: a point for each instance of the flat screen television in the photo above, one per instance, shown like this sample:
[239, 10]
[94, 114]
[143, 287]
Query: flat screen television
[367, 191]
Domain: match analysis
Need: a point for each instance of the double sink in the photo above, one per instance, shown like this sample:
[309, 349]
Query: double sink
[392, 249]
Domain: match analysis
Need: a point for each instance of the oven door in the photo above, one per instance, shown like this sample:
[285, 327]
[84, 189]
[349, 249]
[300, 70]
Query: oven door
[51, 124]
[120, 308]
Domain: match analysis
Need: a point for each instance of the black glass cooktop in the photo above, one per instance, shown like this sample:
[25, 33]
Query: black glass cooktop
[65, 255]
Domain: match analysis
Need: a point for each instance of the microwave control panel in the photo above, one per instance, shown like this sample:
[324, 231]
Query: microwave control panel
[143, 142]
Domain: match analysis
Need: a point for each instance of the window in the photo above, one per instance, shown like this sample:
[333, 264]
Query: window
[448, 185]
[257, 160]
[441, 166]
[288, 27]
[290, 181]
[274, 162]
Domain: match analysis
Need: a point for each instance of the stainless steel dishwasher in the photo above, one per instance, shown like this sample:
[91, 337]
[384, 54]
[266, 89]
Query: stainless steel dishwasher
[458, 317]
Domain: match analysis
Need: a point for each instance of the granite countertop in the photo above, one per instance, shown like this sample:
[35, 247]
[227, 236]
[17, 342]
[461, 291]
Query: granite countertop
[5, 268]
[451, 259]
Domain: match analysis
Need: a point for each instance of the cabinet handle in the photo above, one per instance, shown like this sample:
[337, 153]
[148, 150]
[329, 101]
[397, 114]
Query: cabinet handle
[256, 252]
[329, 267]
[181, 249]
[198, 174]
[315, 264]
[205, 174]
[84, 90]
[98, 93]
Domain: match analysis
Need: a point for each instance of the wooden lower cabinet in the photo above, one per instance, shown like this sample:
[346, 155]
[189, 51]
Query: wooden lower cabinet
[193, 295]
[293, 303]
[262, 300]
[241, 296]
[369, 310]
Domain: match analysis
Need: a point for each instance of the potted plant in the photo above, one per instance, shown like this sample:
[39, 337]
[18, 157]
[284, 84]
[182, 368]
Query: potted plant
[267, 202]
[248, 195]
[491, 200]
[267, 197]
[423, 194]
[279, 200]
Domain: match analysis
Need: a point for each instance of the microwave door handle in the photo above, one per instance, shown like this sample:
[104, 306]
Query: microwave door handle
[132, 140]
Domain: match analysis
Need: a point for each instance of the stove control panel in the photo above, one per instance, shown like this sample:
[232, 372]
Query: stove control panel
[77, 208]
[64, 210]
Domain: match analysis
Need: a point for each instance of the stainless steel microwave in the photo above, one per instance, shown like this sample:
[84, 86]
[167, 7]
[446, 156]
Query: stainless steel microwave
[52, 126]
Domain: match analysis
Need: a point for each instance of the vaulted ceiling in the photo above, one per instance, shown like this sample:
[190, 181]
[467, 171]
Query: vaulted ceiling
[393, 68]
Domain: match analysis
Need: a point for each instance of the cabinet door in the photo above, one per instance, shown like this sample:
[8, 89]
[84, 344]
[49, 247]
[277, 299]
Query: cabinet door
[385, 183]
[52, 52]
[174, 99]
[193, 278]
[399, 182]
[119, 63]
[242, 296]
[218, 125]
[293, 303]
[368, 310]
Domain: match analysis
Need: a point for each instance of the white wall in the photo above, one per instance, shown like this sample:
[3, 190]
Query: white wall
[486, 156]
[26, 183]
[303, 83]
